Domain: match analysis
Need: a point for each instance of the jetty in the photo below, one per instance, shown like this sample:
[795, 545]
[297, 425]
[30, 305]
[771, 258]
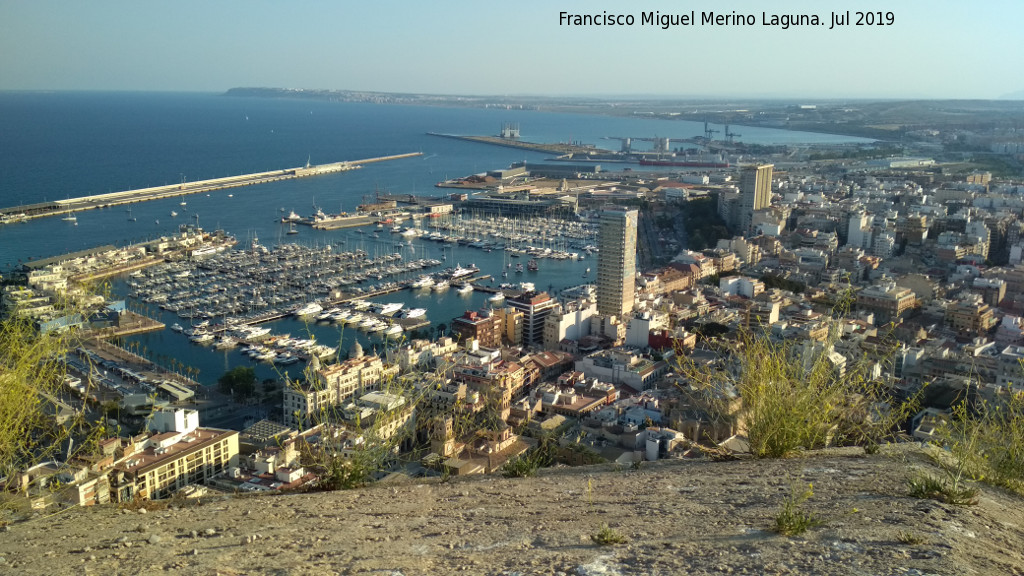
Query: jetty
[95, 201]
[560, 149]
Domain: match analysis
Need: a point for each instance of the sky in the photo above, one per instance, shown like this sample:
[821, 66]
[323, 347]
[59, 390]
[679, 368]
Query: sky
[935, 49]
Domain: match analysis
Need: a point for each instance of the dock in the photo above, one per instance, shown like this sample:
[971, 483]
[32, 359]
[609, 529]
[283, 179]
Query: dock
[96, 201]
[129, 324]
[560, 149]
[342, 222]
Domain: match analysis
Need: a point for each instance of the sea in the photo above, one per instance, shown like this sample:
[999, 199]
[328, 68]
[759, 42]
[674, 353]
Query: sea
[58, 145]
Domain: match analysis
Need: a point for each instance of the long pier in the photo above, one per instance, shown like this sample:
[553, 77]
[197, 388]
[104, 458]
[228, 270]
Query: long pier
[71, 205]
[557, 149]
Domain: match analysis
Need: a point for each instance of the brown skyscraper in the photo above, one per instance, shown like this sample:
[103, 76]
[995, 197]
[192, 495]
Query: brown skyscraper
[616, 262]
[755, 192]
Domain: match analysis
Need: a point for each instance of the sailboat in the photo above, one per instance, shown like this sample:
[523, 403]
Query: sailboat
[130, 217]
[291, 228]
[70, 218]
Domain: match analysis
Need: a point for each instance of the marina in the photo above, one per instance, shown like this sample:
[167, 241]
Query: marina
[229, 136]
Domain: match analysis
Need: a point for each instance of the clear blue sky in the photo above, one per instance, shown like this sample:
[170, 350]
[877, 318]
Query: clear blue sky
[936, 49]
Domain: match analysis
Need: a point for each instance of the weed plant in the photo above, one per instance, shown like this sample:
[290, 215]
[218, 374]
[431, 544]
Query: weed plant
[794, 398]
[986, 443]
[942, 489]
[608, 536]
[522, 466]
[32, 372]
[792, 520]
[909, 538]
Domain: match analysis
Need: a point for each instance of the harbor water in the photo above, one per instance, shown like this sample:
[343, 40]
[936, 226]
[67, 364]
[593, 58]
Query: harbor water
[61, 145]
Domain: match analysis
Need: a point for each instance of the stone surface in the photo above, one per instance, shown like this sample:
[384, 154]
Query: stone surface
[678, 517]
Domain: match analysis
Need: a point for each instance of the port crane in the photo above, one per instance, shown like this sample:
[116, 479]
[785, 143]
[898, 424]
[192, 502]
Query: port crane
[708, 131]
[729, 136]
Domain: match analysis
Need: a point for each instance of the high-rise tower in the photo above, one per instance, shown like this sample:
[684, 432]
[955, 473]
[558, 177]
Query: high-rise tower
[755, 192]
[616, 262]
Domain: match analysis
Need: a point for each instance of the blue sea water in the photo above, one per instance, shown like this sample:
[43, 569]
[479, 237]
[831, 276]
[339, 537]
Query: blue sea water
[60, 145]
[67, 144]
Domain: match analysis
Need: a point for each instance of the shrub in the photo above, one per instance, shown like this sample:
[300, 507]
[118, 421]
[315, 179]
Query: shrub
[31, 377]
[987, 443]
[344, 474]
[522, 466]
[607, 536]
[794, 398]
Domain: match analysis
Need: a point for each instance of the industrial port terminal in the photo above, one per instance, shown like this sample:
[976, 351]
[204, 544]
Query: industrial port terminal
[71, 205]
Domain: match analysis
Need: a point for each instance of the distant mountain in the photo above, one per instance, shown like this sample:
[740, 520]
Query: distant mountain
[1018, 95]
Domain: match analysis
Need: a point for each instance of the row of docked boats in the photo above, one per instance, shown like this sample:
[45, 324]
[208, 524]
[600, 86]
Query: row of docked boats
[259, 280]
[257, 342]
[367, 316]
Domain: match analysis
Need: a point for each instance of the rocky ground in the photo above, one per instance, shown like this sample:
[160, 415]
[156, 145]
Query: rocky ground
[676, 517]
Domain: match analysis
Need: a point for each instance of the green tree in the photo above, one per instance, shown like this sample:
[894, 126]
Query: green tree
[239, 381]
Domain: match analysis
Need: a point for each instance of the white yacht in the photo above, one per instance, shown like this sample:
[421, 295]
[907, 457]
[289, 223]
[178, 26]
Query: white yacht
[309, 309]
[459, 271]
[414, 313]
[390, 308]
[424, 282]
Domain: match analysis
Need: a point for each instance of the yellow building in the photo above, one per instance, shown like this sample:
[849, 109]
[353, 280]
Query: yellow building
[170, 461]
[309, 402]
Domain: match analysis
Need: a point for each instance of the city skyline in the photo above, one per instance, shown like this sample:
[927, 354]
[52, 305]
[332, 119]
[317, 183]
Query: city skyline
[470, 49]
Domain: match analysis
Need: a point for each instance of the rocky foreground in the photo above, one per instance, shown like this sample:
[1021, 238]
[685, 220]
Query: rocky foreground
[676, 517]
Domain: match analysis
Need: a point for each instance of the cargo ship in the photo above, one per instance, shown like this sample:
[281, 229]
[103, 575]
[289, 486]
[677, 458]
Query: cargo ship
[697, 163]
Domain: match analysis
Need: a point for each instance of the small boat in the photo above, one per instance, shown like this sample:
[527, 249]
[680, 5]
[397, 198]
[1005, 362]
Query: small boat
[173, 214]
[70, 218]
[177, 327]
[497, 298]
[285, 359]
[465, 289]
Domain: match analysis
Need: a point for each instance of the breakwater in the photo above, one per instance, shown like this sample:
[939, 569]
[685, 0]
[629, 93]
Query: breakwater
[95, 201]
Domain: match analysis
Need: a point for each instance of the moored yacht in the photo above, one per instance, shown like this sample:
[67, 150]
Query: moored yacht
[309, 309]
